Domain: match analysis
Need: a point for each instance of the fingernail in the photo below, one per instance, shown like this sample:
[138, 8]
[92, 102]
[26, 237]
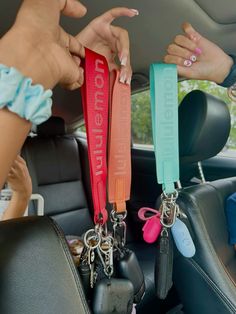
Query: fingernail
[198, 51]
[128, 81]
[122, 78]
[123, 61]
[187, 63]
[193, 58]
[135, 11]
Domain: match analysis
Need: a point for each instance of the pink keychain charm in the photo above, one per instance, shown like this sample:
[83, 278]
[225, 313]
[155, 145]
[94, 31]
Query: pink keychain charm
[152, 226]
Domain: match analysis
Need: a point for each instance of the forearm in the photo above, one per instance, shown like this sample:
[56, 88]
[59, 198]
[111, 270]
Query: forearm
[16, 207]
[13, 131]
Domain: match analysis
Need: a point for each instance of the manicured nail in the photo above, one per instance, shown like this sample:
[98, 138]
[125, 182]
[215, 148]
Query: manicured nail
[135, 11]
[123, 61]
[122, 78]
[198, 51]
[187, 63]
[193, 58]
[128, 81]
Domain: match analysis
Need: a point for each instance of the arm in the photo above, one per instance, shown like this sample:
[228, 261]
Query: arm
[52, 56]
[21, 185]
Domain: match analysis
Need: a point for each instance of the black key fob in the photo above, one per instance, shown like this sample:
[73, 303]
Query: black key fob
[114, 296]
[164, 264]
[127, 266]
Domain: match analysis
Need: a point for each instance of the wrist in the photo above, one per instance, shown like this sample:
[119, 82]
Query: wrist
[224, 69]
[21, 198]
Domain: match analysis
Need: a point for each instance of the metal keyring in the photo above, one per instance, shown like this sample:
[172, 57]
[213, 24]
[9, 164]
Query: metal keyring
[87, 237]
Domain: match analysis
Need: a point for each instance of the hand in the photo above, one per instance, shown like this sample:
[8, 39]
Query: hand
[21, 185]
[38, 47]
[19, 179]
[197, 57]
[108, 40]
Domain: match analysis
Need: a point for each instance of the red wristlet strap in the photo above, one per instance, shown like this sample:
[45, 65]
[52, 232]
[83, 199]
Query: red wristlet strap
[95, 97]
[119, 156]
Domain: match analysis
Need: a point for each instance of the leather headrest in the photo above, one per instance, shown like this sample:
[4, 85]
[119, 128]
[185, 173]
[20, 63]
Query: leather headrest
[52, 127]
[204, 126]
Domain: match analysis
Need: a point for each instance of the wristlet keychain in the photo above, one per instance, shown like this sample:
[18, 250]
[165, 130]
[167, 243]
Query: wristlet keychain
[164, 109]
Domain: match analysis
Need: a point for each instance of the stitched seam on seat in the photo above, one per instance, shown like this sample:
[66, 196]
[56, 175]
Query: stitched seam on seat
[71, 264]
[67, 211]
[213, 285]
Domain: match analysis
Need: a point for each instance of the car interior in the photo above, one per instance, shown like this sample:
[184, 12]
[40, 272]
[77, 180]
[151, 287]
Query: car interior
[37, 271]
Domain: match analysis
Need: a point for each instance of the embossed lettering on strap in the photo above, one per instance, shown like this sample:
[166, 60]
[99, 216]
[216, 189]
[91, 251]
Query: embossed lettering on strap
[119, 155]
[95, 96]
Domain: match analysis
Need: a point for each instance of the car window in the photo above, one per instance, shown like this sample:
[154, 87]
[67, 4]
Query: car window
[141, 114]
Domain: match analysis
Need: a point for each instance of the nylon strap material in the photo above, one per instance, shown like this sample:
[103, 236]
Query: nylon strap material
[95, 96]
[164, 108]
[119, 155]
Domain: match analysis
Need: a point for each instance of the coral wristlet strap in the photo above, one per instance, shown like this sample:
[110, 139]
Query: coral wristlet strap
[95, 96]
[164, 107]
[119, 155]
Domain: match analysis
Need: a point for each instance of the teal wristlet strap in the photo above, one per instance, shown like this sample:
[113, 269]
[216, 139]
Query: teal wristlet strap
[164, 107]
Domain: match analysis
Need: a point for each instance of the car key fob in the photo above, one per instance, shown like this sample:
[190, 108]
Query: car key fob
[113, 296]
[164, 265]
[127, 266]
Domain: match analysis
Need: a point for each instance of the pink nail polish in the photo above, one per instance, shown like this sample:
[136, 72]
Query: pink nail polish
[187, 63]
[193, 58]
[198, 51]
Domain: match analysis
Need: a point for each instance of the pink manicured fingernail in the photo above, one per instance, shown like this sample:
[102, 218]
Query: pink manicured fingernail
[198, 51]
[187, 63]
[193, 58]
[135, 11]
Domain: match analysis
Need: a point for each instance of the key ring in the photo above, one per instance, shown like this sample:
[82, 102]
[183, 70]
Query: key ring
[92, 235]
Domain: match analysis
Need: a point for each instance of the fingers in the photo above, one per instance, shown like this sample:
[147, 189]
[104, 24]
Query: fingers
[72, 73]
[114, 13]
[122, 49]
[191, 32]
[185, 42]
[72, 8]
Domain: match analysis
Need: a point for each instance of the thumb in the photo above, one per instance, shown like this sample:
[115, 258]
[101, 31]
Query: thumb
[72, 8]
[191, 32]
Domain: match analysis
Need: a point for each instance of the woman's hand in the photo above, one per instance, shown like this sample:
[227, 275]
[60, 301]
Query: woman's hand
[38, 47]
[19, 179]
[197, 57]
[110, 40]
[21, 185]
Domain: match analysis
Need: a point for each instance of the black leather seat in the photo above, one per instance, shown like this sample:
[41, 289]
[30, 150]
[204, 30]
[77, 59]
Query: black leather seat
[53, 160]
[37, 273]
[204, 126]
[206, 283]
